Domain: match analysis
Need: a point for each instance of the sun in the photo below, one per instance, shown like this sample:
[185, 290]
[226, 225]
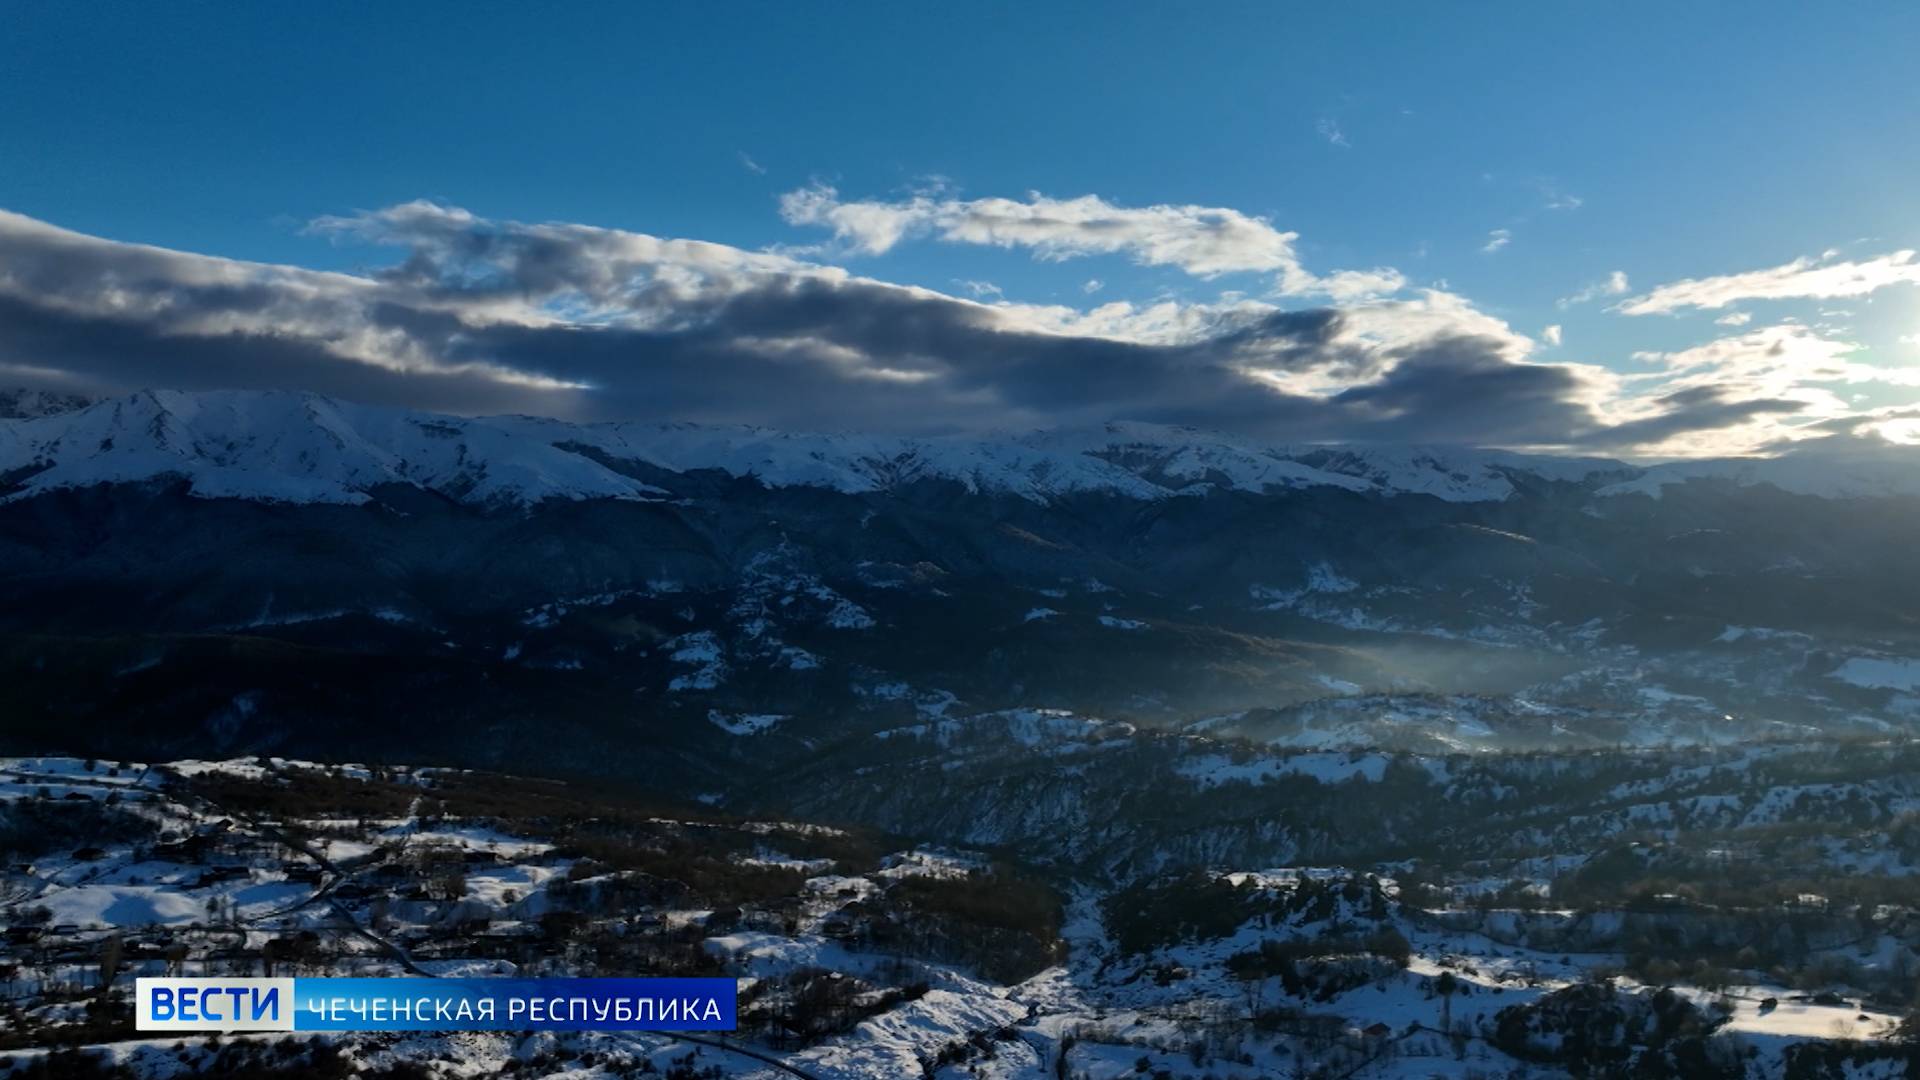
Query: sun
[1904, 432]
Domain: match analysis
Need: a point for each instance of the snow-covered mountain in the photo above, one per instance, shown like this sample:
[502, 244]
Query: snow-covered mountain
[725, 576]
[20, 403]
[304, 448]
[1853, 470]
[297, 448]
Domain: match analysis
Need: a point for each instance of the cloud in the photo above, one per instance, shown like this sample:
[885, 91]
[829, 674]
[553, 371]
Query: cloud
[1696, 421]
[1093, 285]
[982, 290]
[1551, 335]
[1792, 369]
[1353, 285]
[1734, 318]
[1329, 129]
[1776, 359]
[1614, 284]
[1203, 241]
[1496, 240]
[476, 315]
[747, 163]
[1803, 278]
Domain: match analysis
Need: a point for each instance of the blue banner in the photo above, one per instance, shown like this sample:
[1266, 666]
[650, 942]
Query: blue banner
[180, 1004]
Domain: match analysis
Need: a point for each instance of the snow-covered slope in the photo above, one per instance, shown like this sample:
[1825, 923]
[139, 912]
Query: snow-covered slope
[21, 404]
[303, 448]
[1455, 474]
[846, 462]
[299, 448]
[1858, 471]
[1135, 460]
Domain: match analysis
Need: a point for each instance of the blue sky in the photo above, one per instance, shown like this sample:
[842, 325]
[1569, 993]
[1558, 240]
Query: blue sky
[1507, 156]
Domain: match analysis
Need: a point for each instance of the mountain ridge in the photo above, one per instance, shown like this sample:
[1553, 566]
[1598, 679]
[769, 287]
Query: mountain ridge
[297, 447]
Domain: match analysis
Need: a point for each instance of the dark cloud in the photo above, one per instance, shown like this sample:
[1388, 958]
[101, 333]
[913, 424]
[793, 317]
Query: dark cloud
[98, 354]
[1859, 432]
[811, 353]
[565, 320]
[1700, 408]
[1449, 388]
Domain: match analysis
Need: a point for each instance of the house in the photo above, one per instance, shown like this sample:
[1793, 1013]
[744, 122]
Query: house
[191, 850]
[213, 875]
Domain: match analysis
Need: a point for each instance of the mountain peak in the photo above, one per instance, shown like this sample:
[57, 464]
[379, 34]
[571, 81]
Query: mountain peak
[20, 403]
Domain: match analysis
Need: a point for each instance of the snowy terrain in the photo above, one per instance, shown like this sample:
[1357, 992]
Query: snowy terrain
[296, 448]
[1850, 472]
[1320, 970]
[305, 448]
[1127, 751]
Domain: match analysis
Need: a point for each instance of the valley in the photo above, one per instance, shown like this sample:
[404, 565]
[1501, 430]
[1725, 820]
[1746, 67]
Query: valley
[1136, 752]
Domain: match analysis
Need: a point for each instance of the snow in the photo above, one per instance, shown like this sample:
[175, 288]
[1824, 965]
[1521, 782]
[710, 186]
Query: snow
[798, 659]
[1801, 1019]
[896, 1042]
[474, 838]
[1454, 474]
[295, 448]
[778, 861]
[1039, 614]
[774, 590]
[744, 723]
[23, 403]
[1097, 1013]
[1758, 633]
[1880, 673]
[139, 894]
[1853, 471]
[701, 651]
[1114, 622]
[1337, 685]
[244, 768]
[844, 614]
[525, 883]
[1057, 729]
[1321, 579]
[123, 905]
[103, 772]
[1660, 695]
[928, 862]
[1213, 770]
[306, 448]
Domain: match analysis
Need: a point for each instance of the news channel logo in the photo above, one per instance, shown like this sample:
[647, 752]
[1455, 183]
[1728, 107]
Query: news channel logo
[418, 1004]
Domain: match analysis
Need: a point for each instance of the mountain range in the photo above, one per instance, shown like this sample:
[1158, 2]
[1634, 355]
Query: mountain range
[274, 572]
[305, 448]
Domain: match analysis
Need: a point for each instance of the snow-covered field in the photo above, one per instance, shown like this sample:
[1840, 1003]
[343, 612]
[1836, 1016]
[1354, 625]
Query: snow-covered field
[1317, 970]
